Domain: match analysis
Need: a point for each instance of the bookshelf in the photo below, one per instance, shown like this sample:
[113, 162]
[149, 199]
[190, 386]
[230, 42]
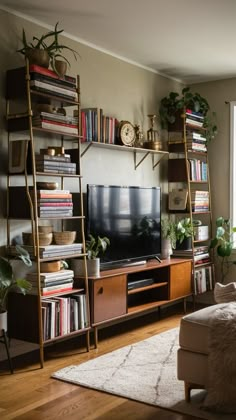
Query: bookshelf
[188, 172]
[39, 114]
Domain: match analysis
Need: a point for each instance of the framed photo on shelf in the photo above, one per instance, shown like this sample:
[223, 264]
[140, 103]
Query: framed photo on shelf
[18, 150]
[178, 199]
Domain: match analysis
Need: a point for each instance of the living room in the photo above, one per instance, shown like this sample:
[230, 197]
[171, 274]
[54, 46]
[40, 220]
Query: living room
[127, 92]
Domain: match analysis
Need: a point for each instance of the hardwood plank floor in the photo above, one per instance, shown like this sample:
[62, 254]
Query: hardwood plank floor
[30, 393]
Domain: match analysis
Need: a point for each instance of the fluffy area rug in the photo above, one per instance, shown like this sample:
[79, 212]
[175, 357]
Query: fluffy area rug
[145, 372]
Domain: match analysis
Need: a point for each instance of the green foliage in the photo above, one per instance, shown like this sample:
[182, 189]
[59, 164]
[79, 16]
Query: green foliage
[184, 229]
[171, 105]
[50, 43]
[223, 243]
[168, 229]
[8, 281]
[96, 245]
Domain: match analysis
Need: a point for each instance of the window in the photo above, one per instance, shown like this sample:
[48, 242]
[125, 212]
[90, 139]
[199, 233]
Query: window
[233, 163]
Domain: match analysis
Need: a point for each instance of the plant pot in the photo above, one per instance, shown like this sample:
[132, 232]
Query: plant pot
[166, 249]
[3, 322]
[60, 67]
[93, 267]
[186, 244]
[38, 56]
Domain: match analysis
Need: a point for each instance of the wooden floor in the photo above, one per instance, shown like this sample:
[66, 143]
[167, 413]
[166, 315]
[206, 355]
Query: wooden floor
[30, 393]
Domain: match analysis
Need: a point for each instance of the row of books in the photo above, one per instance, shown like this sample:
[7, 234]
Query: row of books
[98, 127]
[54, 203]
[47, 81]
[198, 170]
[50, 283]
[54, 164]
[203, 280]
[63, 315]
[199, 254]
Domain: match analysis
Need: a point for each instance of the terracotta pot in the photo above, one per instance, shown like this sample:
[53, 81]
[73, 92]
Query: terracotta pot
[38, 56]
[60, 67]
[3, 321]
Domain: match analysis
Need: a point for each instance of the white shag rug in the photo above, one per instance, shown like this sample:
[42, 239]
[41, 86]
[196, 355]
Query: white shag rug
[145, 372]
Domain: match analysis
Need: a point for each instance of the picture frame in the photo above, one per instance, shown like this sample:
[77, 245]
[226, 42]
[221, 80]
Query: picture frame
[18, 150]
[178, 199]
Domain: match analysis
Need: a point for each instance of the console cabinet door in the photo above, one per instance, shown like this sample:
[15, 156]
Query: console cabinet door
[109, 298]
[180, 280]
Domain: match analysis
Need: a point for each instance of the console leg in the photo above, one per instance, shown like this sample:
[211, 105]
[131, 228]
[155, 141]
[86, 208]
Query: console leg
[95, 337]
[187, 390]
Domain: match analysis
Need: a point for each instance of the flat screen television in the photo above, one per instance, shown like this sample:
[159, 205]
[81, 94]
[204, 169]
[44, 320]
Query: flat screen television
[130, 216]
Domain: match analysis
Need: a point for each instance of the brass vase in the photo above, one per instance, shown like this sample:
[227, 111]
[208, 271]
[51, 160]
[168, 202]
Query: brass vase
[38, 56]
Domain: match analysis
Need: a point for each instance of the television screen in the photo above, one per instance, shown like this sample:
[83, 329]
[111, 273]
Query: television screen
[130, 217]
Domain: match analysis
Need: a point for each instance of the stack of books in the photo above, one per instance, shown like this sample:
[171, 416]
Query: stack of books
[54, 203]
[55, 282]
[63, 315]
[193, 118]
[200, 201]
[54, 164]
[196, 142]
[47, 81]
[50, 251]
[200, 254]
[57, 122]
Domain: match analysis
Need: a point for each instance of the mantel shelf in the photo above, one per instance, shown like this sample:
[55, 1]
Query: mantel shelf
[136, 150]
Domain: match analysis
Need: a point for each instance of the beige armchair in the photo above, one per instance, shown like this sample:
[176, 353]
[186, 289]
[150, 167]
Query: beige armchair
[192, 359]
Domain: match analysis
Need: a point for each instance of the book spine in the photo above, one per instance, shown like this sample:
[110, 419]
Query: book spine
[52, 81]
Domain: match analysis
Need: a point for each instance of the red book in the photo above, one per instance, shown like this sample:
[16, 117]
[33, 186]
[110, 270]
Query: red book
[42, 70]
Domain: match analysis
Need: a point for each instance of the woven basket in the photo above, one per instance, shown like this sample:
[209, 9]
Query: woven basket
[44, 238]
[64, 238]
[50, 267]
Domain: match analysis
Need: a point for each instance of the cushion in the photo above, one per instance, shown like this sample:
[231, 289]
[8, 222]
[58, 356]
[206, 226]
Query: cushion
[225, 292]
[194, 329]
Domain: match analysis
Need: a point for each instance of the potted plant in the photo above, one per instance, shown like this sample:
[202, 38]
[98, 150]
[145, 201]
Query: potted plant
[184, 233]
[9, 282]
[94, 246]
[173, 105]
[222, 243]
[46, 50]
[168, 240]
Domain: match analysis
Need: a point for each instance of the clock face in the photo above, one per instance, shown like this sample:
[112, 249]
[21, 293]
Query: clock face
[127, 133]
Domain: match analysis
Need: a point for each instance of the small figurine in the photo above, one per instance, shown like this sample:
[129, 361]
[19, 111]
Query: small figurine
[139, 135]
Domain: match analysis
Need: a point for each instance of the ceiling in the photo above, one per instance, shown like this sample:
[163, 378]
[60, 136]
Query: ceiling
[189, 40]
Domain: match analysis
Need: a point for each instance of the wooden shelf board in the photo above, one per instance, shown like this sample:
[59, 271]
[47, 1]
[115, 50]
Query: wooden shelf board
[123, 148]
[58, 98]
[151, 286]
[65, 336]
[45, 130]
[146, 306]
[55, 174]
